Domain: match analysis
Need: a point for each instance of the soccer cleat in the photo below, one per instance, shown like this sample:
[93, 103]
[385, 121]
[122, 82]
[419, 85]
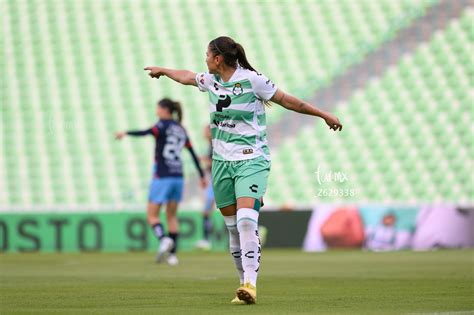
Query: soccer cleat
[237, 301]
[166, 244]
[203, 245]
[172, 260]
[247, 293]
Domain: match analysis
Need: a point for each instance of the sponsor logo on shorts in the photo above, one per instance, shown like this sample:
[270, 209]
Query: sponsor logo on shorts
[247, 151]
[253, 188]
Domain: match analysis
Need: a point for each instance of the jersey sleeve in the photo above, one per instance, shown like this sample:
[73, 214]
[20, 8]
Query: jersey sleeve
[203, 81]
[139, 133]
[263, 87]
[155, 131]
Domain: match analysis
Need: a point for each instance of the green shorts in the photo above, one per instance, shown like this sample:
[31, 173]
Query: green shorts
[235, 179]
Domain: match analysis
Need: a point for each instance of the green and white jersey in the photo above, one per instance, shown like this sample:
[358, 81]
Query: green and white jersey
[237, 113]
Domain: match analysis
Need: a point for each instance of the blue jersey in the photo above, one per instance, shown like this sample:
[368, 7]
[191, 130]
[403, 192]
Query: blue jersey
[170, 139]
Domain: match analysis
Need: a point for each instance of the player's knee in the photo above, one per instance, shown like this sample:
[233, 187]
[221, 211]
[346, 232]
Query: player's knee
[247, 220]
[249, 203]
[246, 224]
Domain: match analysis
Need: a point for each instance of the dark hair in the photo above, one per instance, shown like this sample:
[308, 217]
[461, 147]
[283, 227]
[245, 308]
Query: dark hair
[232, 52]
[173, 107]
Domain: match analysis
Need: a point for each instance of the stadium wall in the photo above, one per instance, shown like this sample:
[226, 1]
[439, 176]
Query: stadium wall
[128, 231]
[97, 232]
[378, 228]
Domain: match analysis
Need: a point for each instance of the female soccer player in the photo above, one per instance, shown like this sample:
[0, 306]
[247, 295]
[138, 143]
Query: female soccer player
[241, 161]
[167, 184]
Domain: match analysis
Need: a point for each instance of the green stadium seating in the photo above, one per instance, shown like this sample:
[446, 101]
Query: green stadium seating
[74, 75]
[407, 136]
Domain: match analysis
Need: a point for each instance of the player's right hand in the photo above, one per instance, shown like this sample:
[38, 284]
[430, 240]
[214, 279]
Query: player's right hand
[120, 134]
[154, 72]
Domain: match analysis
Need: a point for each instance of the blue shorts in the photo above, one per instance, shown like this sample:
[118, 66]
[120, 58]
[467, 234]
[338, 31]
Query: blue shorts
[165, 189]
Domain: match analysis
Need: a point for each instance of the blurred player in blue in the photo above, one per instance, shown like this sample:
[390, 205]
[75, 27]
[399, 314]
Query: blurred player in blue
[166, 187]
[205, 244]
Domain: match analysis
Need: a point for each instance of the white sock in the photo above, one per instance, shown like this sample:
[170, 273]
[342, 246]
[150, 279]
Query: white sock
[234, 244]
[247, 224]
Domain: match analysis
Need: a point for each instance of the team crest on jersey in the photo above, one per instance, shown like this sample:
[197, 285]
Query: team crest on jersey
[237, 90]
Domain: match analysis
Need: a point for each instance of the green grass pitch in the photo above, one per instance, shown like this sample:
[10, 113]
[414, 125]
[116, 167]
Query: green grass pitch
[291, 282]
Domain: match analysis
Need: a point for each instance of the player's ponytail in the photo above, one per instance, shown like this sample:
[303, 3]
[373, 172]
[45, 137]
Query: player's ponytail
[232, 52]
[242, 58]
[173, 107]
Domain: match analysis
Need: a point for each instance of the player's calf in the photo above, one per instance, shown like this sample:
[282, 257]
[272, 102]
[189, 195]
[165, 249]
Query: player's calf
[247, 225]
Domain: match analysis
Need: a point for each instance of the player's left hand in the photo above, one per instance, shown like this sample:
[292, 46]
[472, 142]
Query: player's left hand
[120, 134]
[332, 121]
